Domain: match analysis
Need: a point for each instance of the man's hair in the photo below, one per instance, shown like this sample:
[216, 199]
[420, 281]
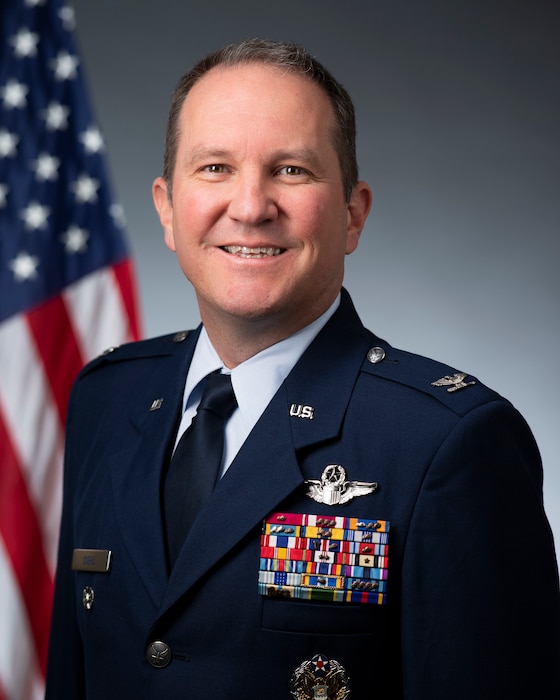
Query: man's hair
[292, 59]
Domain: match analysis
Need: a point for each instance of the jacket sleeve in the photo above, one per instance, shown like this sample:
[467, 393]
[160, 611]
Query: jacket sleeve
[65, 670]
[480, 600]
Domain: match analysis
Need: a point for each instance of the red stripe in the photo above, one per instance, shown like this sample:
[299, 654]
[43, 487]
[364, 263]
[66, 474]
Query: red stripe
[22, 537]
[54, 337]
[124, 275]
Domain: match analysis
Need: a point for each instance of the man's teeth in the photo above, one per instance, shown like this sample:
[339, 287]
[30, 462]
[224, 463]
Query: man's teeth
[246, 252]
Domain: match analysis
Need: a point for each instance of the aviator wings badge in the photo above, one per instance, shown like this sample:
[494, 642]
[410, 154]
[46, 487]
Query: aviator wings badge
[333, 488]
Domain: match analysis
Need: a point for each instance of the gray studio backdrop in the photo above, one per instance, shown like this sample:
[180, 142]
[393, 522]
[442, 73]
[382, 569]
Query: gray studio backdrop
[458, 113]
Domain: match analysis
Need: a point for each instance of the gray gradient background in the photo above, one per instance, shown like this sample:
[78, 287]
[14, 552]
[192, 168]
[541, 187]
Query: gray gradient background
[458, 113]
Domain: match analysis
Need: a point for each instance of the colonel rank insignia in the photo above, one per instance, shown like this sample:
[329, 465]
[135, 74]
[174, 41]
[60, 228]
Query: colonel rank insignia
[454, 382]
[324, 558]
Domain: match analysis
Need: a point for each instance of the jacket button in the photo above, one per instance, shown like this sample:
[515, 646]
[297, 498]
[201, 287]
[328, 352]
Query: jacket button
[376, 355]
[158, 654]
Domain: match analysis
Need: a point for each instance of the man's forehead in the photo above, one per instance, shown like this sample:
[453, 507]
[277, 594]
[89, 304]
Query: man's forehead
[219, 79]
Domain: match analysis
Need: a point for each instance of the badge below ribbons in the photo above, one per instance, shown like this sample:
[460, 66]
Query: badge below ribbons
[325, 558]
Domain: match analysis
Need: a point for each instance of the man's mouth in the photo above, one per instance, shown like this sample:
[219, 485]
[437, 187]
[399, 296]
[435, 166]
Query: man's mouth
[245, 252]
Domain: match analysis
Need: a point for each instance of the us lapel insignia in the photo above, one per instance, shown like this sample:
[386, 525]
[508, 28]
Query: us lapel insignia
[454, 382]
[333, 488]
[297, 410]
[320, 678]
[156, 404]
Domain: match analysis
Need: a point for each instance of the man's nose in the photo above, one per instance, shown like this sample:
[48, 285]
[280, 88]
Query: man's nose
[252, 200]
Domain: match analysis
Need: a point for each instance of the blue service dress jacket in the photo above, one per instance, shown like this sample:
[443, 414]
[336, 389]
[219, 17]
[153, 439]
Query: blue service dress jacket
[435, 580]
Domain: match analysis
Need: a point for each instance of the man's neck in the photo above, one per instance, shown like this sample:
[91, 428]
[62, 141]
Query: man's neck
[236, 339]
[237, 342]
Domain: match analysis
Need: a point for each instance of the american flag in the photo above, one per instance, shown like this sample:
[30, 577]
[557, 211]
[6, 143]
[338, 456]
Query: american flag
[66, 293]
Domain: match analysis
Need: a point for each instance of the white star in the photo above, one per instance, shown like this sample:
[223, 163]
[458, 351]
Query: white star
[8, 143]
[35, 216]
[117, 212]
[4, 189]
[46, 167]
[65, 66]
[92, 140]
[75, 240]
[25, 43]
[56, 116]
[24, 266]
[68, 18]
[85, 188]
[14, 94]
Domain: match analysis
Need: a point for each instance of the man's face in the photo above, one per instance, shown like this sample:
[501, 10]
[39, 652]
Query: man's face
[258, 217]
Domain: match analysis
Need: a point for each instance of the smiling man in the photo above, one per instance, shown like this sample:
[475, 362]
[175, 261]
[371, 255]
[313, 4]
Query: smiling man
[279, 503]
[256, 207]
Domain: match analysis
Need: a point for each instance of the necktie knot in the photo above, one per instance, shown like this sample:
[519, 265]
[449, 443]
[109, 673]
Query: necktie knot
[218, 395]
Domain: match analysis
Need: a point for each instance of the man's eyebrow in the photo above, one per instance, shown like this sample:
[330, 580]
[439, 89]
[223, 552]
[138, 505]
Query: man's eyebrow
[308, 156]
[299, 155]
[207, 153]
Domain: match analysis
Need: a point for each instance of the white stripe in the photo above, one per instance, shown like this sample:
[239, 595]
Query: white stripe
[97, 312]
[20, 675]
[31, 418]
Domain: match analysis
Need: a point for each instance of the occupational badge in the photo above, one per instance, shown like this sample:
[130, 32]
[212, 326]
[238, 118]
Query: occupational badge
[320, 678]
[333, 488]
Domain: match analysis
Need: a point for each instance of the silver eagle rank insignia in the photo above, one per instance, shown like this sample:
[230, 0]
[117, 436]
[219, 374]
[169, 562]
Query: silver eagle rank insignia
[333, 488]
[454, 382]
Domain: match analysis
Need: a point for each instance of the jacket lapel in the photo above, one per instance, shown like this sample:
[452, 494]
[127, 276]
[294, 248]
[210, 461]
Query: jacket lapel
[137, 470]
[325, 376]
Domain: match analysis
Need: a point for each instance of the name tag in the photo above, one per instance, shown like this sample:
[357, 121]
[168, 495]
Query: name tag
[98, 560]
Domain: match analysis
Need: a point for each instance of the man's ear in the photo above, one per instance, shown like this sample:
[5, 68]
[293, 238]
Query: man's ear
[164, 208]
[358, 210]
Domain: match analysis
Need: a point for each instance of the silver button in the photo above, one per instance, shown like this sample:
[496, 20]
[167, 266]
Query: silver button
[179, 337]
[158, 654]
[376, 355]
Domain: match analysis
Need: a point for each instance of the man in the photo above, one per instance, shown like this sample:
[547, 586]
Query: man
[378, 528]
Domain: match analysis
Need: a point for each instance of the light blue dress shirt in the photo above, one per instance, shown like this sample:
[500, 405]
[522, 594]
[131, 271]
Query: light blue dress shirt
[254, 381]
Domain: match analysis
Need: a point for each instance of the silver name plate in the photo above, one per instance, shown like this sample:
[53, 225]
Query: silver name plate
[97, 560]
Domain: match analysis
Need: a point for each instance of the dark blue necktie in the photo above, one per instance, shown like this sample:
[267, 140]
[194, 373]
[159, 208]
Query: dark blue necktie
[195, 465]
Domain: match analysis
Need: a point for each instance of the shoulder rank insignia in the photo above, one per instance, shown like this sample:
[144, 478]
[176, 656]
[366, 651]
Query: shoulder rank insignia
[320, 678]
[333, 488]
[454, 382]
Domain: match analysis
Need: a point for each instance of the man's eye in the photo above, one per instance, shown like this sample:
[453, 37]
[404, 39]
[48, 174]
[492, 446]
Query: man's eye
[291, 170]
[214, 168]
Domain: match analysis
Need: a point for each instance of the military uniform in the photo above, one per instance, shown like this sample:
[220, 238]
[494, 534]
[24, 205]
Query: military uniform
[372, 520]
